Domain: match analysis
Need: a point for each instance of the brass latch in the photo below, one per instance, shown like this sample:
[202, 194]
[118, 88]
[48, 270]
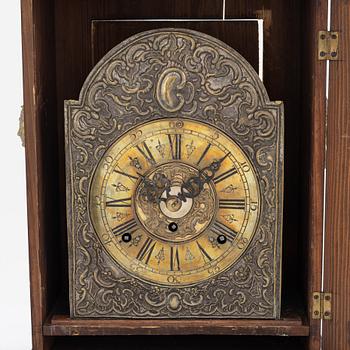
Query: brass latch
[328, 45]
[321, 306]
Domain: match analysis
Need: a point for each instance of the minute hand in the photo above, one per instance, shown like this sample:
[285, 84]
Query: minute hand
[194, 185]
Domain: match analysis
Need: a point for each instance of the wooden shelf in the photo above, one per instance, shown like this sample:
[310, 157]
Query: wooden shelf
[63, 325]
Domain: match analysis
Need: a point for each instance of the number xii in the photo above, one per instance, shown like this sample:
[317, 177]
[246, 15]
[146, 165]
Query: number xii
[175, 146]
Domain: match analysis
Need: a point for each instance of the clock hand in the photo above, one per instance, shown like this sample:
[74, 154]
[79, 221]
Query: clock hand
[194, 185]
[154, 188]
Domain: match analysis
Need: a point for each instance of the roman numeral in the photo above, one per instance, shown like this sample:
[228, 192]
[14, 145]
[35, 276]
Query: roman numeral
[225, 175]
[129, 226]
[174, 259]
[204, 153]
[119, 203]
[220, 229]
[232, 204]
[145, 151]
[206, 257]
[131, 177]
[175, 145]
[146, 250]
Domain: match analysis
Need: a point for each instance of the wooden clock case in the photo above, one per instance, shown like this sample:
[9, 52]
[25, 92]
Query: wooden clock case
[64, 39]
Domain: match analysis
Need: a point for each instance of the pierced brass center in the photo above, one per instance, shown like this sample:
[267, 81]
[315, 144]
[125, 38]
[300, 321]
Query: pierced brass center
[192, 216]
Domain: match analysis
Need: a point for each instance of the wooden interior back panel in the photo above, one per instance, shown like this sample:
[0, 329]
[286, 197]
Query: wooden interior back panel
[337, 245]
[242, 36]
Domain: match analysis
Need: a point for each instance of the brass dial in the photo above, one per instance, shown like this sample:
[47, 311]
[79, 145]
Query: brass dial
[175, 201]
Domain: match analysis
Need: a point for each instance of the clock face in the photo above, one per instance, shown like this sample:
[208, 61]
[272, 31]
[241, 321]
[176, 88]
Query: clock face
[175, 201]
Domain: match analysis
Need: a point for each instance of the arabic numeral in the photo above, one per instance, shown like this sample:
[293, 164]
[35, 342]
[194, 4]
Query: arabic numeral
[107, 161]
[213, 270]
[135, 135]
[106, 239]
[242, 242]
[98, 201]
[245, 167]
[173, 279]
[253, 206]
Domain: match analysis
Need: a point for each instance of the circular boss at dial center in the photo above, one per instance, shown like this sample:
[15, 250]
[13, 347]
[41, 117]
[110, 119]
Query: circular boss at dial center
[172, 206]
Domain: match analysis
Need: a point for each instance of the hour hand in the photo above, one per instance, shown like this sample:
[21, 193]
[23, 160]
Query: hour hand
[155, 187]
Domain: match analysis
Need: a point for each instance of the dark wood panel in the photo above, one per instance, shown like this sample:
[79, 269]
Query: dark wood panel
[136, 9]
[180, 342]
[242, 36]
[41, 160]
[337, 244]
[313, 124]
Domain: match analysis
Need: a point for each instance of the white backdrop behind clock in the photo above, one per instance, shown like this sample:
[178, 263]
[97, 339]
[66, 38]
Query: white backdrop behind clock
[15, 331]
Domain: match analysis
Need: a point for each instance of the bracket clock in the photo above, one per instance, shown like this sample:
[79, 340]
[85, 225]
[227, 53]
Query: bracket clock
[174, 161]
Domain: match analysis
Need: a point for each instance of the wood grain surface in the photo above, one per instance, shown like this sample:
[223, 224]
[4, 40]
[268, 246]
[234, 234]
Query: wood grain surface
[41, 160]
[291, 325]
[337, 244]
[241, 35]
[313, 124]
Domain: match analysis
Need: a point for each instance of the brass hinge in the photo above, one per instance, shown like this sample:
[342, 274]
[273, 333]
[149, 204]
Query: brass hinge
[328, 45]
[321, 306]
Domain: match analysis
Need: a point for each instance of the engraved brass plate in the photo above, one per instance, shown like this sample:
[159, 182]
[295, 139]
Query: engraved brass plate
[174, 183]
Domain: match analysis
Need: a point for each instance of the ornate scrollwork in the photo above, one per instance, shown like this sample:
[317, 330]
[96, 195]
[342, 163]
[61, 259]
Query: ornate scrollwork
[169, 73]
